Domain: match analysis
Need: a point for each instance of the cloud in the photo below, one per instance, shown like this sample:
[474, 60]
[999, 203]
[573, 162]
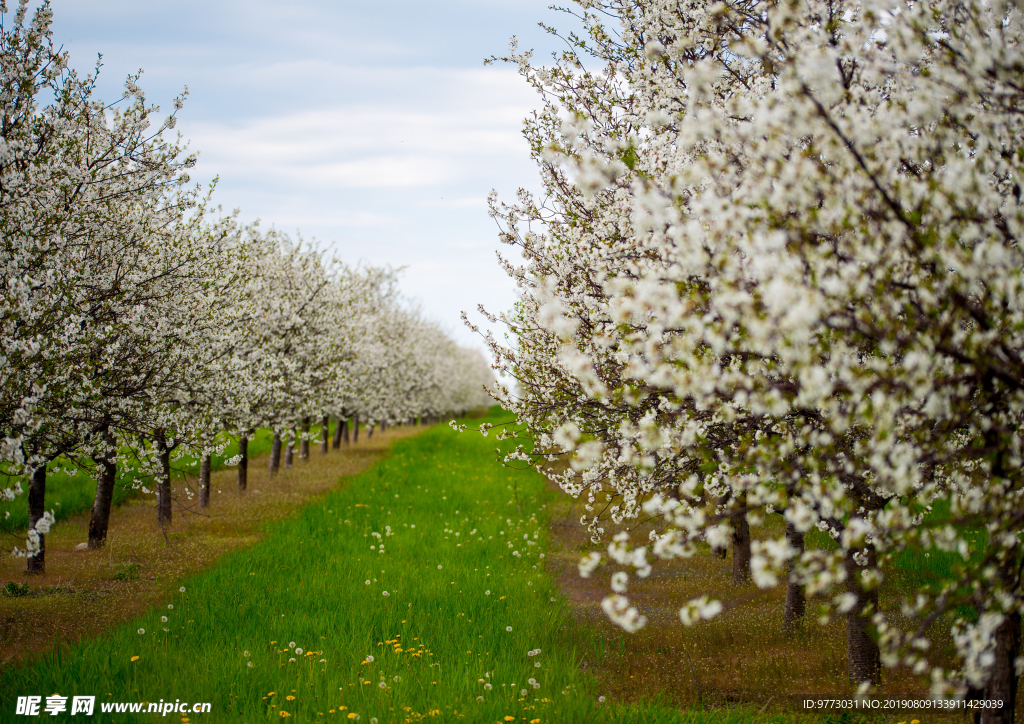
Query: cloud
[460, 133]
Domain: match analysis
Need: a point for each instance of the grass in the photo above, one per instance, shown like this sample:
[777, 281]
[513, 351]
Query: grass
[88, 592]
[465, 562]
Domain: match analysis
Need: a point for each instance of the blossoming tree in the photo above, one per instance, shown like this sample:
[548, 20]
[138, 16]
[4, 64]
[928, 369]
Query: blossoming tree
[777, 271]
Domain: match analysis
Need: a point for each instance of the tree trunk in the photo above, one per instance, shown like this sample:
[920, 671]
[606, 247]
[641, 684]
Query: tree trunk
[36, 510]
[796, 601]
[345, 432]
[204, 482]
[163, 486]
[369, 431]
[243, 462]
[355, 428]
[862, 656]
[99, 521]
[289, 453]
[1002, 683]
[722, 552]
[304, 443]
[275, 454]
[383, 426]
[336, 442]
[740, 543]
[325, 433]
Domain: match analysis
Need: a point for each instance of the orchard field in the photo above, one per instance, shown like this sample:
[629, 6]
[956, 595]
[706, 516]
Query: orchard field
[759, 383]
[437, 584]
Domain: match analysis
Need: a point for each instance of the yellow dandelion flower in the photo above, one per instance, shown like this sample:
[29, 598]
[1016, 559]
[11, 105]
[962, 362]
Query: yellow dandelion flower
[135, 658]
[510, 718]
[283, 714]
[290, 698]
[352, 715]
[535, 721]
[271, 693]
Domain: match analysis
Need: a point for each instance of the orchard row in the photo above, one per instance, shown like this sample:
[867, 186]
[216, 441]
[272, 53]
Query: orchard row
[140, 325]
[780, 292]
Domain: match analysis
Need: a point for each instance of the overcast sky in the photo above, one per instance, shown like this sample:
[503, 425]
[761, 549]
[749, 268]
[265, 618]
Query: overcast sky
[373, 127]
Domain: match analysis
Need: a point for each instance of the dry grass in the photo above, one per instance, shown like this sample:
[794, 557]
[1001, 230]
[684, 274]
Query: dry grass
[742, 657]
[79, 594]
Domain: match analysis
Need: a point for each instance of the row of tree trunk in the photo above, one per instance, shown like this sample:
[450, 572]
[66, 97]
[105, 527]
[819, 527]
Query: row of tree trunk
[862, 652]
[863, 658]
[106, 466]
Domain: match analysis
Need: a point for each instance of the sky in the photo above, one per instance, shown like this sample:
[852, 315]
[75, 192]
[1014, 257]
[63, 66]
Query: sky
[373, 128]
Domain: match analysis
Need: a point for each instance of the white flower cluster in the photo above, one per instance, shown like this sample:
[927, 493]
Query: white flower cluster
[779, 272]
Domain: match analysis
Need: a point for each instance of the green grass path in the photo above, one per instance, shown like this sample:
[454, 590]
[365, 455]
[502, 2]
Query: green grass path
[449, 611]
